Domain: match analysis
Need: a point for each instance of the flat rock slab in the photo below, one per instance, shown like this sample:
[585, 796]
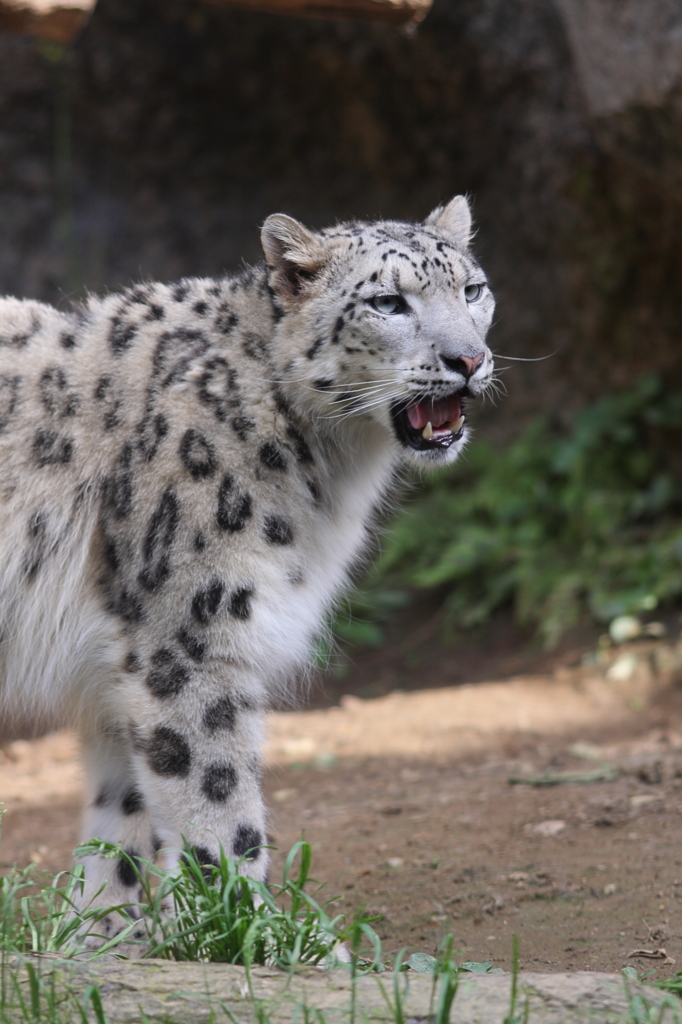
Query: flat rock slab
[192, 993]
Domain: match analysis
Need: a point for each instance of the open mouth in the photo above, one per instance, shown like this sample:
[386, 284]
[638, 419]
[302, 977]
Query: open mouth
[431, 424]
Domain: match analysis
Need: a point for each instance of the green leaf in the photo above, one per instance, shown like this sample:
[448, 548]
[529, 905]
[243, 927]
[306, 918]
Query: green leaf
[484, 967]
[423, 963]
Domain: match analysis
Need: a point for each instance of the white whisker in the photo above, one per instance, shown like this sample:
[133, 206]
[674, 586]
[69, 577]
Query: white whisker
[356, 410]
[307, 377]
[365, 386]
[521, 359]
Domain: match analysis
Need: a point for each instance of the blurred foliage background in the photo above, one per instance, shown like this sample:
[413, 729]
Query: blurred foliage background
[578, 518]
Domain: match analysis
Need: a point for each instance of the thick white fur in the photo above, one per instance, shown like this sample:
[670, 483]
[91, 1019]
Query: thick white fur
[298, 351]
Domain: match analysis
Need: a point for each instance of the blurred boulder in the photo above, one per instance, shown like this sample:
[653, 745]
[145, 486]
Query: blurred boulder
[626, 52]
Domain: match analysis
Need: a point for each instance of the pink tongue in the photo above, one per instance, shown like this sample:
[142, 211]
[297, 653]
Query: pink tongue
[445, 410]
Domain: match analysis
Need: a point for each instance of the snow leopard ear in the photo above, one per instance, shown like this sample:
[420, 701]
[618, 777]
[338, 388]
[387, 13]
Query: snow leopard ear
[292, 252]
[454, 220]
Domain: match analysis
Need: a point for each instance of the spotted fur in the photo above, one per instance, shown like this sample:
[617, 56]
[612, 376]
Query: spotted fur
[188, 474]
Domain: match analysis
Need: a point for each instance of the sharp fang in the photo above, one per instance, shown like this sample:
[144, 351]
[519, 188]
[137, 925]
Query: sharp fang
[456, 425]
[427, 432]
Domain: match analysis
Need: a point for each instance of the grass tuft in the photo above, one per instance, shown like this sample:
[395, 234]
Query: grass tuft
[196, 912]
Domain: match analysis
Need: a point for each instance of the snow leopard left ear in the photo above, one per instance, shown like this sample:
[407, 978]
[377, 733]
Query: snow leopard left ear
[454, 220]
[292, 252]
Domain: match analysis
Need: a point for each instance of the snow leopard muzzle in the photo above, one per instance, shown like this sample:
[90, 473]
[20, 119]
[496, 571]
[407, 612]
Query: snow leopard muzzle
[430, 424]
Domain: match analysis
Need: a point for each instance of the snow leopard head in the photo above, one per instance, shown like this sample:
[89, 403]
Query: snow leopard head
[384, 322]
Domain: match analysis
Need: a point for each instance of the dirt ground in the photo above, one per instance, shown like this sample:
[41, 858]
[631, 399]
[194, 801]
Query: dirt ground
[410, 803]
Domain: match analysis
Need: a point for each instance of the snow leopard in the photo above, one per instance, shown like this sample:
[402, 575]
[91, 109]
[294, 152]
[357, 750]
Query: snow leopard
[190, 473]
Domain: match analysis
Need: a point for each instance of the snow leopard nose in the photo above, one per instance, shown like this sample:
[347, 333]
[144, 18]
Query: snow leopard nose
[465, 365]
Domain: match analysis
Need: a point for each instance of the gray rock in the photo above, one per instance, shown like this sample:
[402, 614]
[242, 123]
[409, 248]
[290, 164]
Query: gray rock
[191, 993]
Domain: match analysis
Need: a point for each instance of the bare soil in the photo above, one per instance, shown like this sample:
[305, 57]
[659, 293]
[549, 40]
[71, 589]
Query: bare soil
[407, 801]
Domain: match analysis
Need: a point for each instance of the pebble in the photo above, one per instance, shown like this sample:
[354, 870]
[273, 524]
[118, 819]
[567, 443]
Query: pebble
[552, 827]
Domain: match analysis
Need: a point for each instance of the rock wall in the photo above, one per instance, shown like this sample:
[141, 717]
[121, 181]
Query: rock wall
[172, 128]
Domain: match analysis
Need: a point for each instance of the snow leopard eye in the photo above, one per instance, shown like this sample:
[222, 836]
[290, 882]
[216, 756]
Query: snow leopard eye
[389, 304]
[473, 292]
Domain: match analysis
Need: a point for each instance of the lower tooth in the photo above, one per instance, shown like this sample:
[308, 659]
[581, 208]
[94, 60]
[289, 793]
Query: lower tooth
[427, 432]
[457, 425]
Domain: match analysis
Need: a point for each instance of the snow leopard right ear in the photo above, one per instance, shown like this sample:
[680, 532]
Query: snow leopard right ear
[292, 252]
[454, 220]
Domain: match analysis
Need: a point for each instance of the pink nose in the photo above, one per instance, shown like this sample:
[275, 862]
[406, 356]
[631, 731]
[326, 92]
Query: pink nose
[472, 364]
[466, 366]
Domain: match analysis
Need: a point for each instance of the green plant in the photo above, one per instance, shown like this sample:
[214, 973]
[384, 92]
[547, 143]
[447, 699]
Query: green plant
[45, 920]
[568, 521]
[42, 1002]
[401, 986]
[513, 1017]
[641, 1010]
[219, 914]
[447, 973]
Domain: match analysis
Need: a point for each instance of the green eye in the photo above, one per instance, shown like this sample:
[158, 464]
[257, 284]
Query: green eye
[472, 292]
[389, 304]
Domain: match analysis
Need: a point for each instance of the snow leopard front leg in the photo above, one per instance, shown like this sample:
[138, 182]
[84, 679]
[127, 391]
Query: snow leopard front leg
[197, 761]
[183, 766]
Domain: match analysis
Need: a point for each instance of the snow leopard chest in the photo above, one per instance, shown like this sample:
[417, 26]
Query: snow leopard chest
[242, 506]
